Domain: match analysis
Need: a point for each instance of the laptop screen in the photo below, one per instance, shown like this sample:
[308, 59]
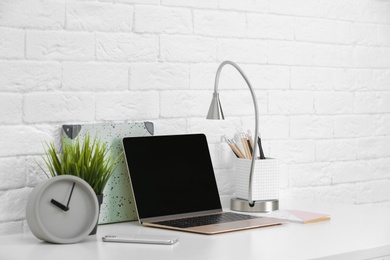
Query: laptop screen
[171, 174]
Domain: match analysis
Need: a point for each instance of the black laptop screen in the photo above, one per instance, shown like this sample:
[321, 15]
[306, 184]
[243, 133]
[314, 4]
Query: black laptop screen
[171, 174]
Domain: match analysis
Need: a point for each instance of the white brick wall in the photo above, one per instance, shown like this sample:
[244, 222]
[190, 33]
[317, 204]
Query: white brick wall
[321, 71]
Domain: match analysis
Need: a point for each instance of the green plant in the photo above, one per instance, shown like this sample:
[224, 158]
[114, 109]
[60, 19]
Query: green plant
[88, 160]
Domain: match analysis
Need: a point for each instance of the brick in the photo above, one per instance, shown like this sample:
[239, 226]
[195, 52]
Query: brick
[23, 76]
[11, 111]
[261, 77]
[353, 126]
[202, 75]
[170, 126]
[229, 78]
[312, 78]
[379, 168]
[38, 14]
[270, 27]
[157, 19]
[290, 102]
[126, 47]
[215, 129]
[32, 166]
[60, 45]
[335, 150]
[312, 8]
[353, 79]
[187, 48]
[377, 12]
[311, 127]
[133, 1]
[268, 77]
[334, 103]
[94, 76]
[373, 147]
[384, 35]
[13, 204]
[99, 17]
[270, 127]
[310, 54]
[289, 53]
[11, 43]
[12, 227]
[130, 106]
[291, 151]
[159, 76]
[350, 171]
[381, 124]
[384, 60]
[12, 173]
[237, 50]
[225, 159]
[373, 191]
[303, 193]
[12, 146]
[381, 79]
[321, 30]
[383, 101]
[342, 193]
[243, 5]
[365, 102]
[59, 107]
[192, 3]
[336, 10]
[225, 186]
[240, 103]
[368, 57]
[176, 103]
[366, 34]
[215, 154]
[301, 175]
[219, 23]
[377, 102]
[336, 56]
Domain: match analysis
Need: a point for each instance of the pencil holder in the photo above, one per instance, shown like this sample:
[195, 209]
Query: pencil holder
[265, 181]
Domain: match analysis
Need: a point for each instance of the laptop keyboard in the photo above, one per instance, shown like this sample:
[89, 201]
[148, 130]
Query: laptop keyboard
[205, 220]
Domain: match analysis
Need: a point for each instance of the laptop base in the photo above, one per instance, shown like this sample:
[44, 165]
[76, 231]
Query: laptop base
[259, 205]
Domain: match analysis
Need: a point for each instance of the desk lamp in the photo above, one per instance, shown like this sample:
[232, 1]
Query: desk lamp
[215, 112]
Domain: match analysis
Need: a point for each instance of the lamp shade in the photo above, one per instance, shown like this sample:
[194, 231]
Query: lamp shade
[215, 110]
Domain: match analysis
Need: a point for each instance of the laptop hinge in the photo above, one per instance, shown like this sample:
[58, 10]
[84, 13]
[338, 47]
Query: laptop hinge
[184, 215]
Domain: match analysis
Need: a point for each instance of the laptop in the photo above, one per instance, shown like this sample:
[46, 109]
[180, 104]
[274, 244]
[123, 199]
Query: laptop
[174, 186]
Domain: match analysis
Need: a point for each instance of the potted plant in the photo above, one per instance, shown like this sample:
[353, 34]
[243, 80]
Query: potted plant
[90, 160]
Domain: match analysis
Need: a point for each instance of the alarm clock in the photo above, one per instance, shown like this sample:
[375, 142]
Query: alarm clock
[63, 210]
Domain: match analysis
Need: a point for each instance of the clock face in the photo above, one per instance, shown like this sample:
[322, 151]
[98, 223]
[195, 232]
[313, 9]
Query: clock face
[64, 209]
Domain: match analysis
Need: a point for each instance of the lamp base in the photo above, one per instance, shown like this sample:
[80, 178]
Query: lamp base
[259, 205]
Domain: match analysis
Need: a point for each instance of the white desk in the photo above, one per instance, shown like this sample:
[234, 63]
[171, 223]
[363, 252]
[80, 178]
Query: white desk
[354, 232]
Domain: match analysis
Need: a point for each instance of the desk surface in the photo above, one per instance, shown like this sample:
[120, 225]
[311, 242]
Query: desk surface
[354, 232]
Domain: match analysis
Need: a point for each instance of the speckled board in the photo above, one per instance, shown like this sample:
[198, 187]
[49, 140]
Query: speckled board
[118, 202]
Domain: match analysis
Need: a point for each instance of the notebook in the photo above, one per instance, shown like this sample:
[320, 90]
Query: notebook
[299, 216]
[118, 203]
[174, 186]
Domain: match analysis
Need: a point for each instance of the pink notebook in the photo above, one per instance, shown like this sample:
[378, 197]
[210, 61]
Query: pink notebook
[299, 216]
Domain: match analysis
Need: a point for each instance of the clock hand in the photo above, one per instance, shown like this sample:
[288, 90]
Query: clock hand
[70, 195]
[59, 205]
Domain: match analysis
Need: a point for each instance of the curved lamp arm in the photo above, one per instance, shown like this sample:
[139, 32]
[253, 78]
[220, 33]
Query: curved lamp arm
[215, 112]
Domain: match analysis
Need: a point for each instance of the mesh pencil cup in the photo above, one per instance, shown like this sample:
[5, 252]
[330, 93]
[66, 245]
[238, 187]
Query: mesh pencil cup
[265, 181]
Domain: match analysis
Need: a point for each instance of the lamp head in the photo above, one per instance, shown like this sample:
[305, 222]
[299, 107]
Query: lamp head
[215, 110]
